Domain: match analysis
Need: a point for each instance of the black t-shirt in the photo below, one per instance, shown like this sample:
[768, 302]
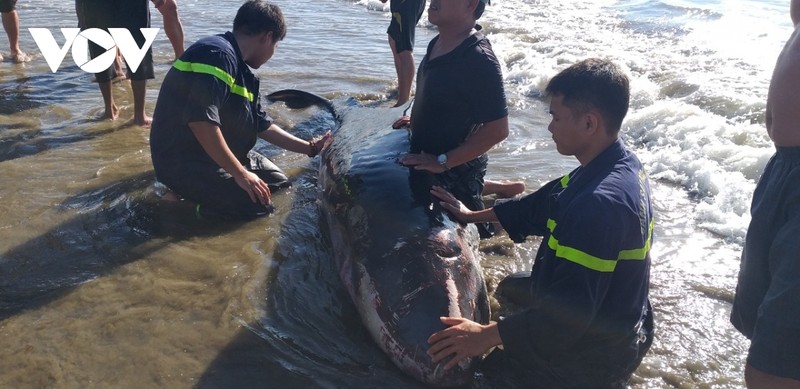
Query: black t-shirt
[210, 82]
[456, 92]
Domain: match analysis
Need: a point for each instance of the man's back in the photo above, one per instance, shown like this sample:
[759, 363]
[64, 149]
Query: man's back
[783, 115]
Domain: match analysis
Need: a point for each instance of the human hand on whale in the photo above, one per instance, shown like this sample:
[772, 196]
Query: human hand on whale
[451, 203]
[257, 189]
[462, 339]
[423, 161]
[318, 145]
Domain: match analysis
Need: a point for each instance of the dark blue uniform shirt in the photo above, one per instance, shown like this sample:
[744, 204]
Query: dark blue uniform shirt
[210, 82]
[590, 314]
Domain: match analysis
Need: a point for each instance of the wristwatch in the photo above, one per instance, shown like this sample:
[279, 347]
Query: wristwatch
[442, 160]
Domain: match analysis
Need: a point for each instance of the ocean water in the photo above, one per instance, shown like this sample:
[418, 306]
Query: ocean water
[103, 286]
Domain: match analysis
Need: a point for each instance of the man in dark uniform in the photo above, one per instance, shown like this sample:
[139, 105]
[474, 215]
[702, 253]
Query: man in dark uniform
[208, 116]
[587, 321]
[460, 109]
[402, 28]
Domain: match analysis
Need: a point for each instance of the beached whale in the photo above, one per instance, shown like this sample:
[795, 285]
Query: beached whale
[403, 259]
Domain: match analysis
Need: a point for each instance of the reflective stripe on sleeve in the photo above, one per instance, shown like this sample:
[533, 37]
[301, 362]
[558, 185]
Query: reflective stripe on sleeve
[195, 67]
[595, 263]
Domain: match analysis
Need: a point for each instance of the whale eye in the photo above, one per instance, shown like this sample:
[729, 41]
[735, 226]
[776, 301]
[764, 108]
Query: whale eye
[445, 244]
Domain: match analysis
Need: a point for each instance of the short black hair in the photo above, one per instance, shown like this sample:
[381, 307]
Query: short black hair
[257, 16]
[594, 84]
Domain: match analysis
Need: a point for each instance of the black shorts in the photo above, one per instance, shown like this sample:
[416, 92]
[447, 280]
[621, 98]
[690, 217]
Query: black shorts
[405, 15]
[465, 182]
[8, 5]
[145, 70]
[130, 14]
[765, 308]
[216, 192]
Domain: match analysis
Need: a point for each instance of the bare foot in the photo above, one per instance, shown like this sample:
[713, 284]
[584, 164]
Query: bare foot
[143, 121]
[20, 57]
[400, 102]
[113, 115]
[1, 57]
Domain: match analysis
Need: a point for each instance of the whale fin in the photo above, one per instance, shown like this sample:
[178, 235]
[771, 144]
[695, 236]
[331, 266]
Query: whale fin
[299, 99]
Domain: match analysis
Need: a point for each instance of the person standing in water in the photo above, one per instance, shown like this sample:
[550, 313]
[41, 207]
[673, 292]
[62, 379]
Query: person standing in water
[10, 19]
[130, 14]
[405, 16]
[460, 110]
[766, 307]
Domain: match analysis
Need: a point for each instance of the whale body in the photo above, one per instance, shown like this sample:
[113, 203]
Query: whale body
[403, 259]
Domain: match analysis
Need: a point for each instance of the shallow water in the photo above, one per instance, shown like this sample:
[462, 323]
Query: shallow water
[103, 286]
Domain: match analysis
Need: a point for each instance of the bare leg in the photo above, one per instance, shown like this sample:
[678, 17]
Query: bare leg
[118, 68]
[11, 25]
[757, 379]
[172, 25]
[139, 116]
[503, 189]
[111, 110]
[404, 64]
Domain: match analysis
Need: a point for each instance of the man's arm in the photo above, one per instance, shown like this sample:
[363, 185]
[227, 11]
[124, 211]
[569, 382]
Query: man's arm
[209, 136]
[520, 217]
[459, 210]
[481, 141]
[279, 137]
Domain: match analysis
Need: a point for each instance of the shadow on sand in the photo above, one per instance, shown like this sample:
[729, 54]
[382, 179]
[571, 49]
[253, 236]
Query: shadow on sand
[112, 226]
